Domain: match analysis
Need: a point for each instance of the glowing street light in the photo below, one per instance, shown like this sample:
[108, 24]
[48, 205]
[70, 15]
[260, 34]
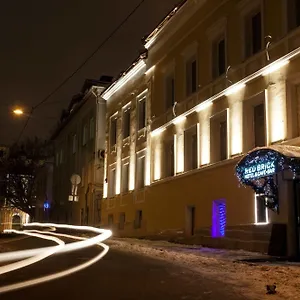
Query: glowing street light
[18, 112]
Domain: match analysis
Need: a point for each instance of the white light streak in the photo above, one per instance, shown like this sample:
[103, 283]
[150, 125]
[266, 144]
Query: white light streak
[46, 251]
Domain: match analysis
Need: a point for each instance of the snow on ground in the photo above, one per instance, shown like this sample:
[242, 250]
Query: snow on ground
[225, 266]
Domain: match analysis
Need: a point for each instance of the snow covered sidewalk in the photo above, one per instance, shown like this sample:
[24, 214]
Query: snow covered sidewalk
[225, 266]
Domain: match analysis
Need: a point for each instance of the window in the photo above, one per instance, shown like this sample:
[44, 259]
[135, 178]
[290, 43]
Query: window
[138, 219]
[74, 143]
[82, 176]
[218, 218]
[126, 122]
[113, 132]
[125, 177]
[142, 113]
[170, 90]
[92, 128]
[259, 125]
[61, 158]
[253, 34]
[169, 159]
[219, 57]
[57, 159]
[191, 76]
[140, 172]
[84, 135]
[112, 183]
[261, 211]
[293, 14]
[223, 140]
[191, 148]
[122, 221]
[110, 219]
[218, 133]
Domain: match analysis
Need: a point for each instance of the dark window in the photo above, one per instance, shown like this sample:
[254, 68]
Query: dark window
[122, 221]
[194, 76]
[112, 183]
[261, 213]
[125, 178]
[142, 113]
[253, 34]
[256, 33]
[170, 91]
[223, 140]
[293, 14]
[221, 57]
[191, 148]
[110, 219]
[169, 159]
[140, 176]
[259, 125]
[218, 58]
[113, 132]
[138, 219]
[191, 77]
[126, 123]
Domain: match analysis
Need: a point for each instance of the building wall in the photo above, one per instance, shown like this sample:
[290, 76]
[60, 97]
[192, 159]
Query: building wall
[166, 202]
[80, 158]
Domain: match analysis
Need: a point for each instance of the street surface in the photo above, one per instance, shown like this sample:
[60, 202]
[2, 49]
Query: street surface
[118, 275]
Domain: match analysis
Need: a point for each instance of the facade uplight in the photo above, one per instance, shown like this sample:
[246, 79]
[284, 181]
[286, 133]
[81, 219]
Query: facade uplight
[234, 89]
[179, 120]
[275, 67]
[203, 106]
[157, 132]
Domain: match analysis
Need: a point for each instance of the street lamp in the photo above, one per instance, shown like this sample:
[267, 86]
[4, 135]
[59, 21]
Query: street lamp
[18, 111]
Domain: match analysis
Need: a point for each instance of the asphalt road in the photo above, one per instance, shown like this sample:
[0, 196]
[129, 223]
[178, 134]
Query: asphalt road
[118, 275]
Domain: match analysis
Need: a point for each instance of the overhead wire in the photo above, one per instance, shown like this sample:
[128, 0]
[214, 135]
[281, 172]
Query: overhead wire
[79, 67]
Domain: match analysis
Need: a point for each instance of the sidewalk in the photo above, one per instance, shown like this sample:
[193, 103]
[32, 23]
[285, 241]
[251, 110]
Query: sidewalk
[227, 266]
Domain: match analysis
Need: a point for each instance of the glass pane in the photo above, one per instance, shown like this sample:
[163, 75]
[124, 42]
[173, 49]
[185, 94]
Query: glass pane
[256, 33]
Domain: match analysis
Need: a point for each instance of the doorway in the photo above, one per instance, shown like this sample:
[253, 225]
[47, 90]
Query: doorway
[16, 222]
[190, 220]
[297, 215]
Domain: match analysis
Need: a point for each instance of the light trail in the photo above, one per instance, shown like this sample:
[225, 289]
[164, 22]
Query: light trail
[44, 252]
[103, 234]
[36, 258]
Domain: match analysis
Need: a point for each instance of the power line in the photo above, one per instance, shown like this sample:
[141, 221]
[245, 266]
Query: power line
[80, 66]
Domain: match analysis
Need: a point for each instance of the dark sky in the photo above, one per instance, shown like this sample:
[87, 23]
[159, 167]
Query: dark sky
[43, 42]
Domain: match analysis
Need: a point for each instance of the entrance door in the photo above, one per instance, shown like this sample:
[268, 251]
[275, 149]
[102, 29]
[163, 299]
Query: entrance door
[190, 220]
[297, 215]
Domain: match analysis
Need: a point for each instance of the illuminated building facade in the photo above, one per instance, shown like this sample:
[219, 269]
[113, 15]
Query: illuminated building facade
[218, 79]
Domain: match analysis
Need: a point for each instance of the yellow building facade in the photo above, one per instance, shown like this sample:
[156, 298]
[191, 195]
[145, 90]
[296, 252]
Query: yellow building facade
[218, 79]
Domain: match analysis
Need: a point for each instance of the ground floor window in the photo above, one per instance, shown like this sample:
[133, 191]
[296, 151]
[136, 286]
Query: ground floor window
[261, 211]
[218, 218]
[110, 219]
[122, 221]
[138, 219]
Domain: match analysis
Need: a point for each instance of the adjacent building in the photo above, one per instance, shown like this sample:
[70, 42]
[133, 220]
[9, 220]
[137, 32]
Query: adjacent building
[44, 191]
[218, 80]
[79, 155]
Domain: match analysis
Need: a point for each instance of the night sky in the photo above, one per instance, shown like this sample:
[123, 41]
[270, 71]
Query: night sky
[43, 42]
